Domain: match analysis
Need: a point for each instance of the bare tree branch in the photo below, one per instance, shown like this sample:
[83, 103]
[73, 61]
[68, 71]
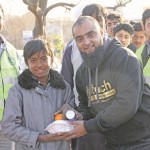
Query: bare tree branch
[56, 5]
[120, 3]
[40, 10]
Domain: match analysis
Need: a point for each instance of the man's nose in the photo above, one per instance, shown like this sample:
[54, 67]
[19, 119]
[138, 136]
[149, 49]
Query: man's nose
[138, 39]
[86, 40]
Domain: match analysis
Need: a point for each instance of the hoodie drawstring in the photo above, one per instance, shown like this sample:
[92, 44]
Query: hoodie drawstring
[89, 93]
[96, 83]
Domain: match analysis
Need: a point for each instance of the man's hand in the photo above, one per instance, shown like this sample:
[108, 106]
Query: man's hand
[78, 131]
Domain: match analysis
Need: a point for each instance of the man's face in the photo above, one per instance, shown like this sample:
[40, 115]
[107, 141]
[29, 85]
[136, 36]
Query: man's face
[1, 20]
[138, 38]
[87, 36]
[147, 28]
[110, 24]
[124, 37]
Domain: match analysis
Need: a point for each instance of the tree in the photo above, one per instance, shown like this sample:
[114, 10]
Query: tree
[40, 10]
[14, 27]
[120, 3]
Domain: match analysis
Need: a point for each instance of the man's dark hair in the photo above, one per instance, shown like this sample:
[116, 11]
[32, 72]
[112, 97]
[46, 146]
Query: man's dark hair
[114, 15]
[96, 9]
[124, 26]
[138, 26]
[82, 20]
[1, 8]
[145, 15]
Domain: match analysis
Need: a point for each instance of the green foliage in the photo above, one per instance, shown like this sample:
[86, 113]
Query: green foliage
[58, 44]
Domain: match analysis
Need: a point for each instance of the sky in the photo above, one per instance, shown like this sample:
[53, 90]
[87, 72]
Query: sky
[133, 10]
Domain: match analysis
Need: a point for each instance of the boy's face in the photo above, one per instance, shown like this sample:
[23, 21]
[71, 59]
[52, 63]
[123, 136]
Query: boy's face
[124, 37]
[39, 64]
[138, 38]
[100, 19]
[1, 20]
[110, 24]
[147, 28]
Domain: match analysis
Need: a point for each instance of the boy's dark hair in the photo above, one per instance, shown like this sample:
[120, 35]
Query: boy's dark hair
[145, 15]
[114, 15]
[138, 26]
[124, 26]
[1, 8]
[36, 45]
[96, 9]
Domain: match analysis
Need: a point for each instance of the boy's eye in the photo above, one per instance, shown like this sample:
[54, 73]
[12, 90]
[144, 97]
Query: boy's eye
[44, 59]
[32, 60]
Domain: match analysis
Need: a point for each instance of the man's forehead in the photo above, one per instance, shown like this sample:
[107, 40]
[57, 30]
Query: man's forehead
[86, 25]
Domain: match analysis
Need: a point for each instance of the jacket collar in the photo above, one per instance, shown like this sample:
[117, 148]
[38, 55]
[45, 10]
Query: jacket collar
[27, 81]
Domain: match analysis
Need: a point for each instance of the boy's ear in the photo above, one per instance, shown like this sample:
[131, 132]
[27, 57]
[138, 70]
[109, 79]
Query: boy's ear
[26, 62]
[102, 32]
[52, 59]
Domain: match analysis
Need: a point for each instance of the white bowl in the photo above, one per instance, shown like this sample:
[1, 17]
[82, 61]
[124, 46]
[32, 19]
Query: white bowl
[59, 126]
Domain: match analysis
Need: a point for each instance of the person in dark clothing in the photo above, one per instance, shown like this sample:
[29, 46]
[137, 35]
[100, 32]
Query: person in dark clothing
[114, 99]
[143, 53]
[70, 63]
[139, 36]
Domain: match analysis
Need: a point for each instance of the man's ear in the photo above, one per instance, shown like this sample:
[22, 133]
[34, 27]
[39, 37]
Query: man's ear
[102, 32]
[52, 59]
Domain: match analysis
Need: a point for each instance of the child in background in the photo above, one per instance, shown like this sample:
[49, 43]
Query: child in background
[124, 32]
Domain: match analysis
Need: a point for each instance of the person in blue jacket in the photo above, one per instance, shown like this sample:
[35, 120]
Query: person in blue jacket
[33, 101]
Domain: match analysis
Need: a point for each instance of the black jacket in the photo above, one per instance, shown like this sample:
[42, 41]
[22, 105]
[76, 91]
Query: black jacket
[111, 89]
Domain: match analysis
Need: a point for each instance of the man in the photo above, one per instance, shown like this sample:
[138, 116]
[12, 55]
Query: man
[139, 36]
[124, 32]
[8, 73]
[112, 20]
[72, 58]
[111, 88]
[70, 64]
[143, 52]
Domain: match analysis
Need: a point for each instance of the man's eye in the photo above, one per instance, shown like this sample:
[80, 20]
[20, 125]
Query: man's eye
[109, 25]
[92, 34]
[120, 35]
[79, 39]
[126, 37]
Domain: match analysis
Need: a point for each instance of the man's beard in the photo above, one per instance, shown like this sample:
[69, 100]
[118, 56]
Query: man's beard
[93, 59]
